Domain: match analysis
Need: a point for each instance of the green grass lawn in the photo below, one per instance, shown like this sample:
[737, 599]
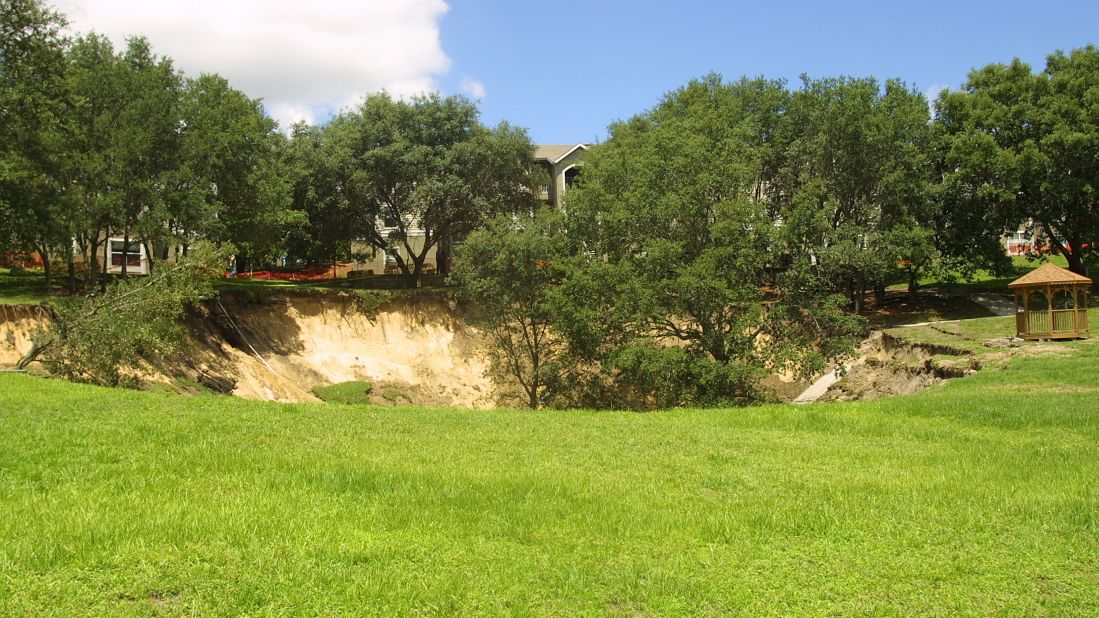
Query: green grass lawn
[979, 497]
[985, 281]
[23, 288]
[355, 392]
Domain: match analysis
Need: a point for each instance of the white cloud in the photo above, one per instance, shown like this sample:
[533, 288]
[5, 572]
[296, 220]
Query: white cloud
[932, 93]
[473, 88]
[306, 60]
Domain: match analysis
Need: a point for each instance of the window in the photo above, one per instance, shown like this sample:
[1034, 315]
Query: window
[120, 254]
[572, 176]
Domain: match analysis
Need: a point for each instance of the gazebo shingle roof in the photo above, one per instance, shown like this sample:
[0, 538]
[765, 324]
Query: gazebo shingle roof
[1048, 274]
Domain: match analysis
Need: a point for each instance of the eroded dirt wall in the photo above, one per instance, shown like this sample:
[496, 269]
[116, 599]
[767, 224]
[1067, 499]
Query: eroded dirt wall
[17, 325]
[415, 349]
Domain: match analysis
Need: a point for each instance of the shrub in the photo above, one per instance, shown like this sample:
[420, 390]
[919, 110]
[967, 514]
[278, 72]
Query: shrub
[355, 392]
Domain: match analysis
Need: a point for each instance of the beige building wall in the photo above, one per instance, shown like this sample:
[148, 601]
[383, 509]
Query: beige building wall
[562, 161]
[367, 258]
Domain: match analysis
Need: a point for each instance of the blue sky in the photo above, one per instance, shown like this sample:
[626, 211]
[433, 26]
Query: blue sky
[567, 69]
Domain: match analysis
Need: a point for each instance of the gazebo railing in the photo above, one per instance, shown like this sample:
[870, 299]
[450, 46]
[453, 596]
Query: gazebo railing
[1064, 320]
[1037, 321]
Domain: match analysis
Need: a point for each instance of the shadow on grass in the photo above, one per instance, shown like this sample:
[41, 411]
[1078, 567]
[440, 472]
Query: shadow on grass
[25, 287]
[932, 306]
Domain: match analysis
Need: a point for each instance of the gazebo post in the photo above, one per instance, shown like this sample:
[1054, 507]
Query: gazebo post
[1049, 309]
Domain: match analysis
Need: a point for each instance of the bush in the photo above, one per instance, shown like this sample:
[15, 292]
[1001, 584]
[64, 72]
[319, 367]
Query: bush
[355, 392]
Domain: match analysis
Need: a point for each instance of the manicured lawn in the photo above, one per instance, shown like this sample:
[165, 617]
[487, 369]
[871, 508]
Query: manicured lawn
[984, 281]
[980, 497]
[22, 288]
[972, 336]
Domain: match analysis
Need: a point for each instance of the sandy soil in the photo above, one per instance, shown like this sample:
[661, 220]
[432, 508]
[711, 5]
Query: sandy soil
[17, 326]
[416, 350]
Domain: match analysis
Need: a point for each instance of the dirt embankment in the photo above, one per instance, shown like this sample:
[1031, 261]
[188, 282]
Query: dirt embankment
[415, 349]
[890, 366]
[17, 325]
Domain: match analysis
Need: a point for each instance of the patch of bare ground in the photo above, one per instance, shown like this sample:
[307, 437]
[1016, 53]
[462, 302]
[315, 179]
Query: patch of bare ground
[18, 324]
[784, 387]
[907, 360]
[416, 350]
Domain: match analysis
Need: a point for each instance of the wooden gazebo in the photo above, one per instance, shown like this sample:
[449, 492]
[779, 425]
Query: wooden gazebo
[1051, 303]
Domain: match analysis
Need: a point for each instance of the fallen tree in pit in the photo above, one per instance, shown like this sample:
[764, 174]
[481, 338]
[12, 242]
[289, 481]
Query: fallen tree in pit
[100, 337]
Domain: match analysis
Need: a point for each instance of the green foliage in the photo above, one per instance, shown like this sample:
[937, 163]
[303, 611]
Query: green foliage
[1020, 149]
[427, 164]
[351, 393]
[508, 272]
[102, 338]
[229, 183]
[698, 296]
[853, 177]
[33, 127]
[168, 160]
[96, 143]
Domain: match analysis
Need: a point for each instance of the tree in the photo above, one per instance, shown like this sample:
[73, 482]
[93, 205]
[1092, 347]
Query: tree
[230, 181]
[1022, 149]
[145, 144]
[702, 296]
[33, 114]
[854, 165]
[426, 167]
[508, 272]
[100, 338]
[125, 143]
[317, 180]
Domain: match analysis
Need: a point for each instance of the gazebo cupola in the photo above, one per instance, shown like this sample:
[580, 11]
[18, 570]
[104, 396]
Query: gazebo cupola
[1051, 303]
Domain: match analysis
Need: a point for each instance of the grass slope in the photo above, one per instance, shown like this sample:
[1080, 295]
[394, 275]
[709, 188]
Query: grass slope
[975, 498]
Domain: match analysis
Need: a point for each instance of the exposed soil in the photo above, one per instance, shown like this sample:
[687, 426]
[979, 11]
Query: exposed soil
[889, 366]
[416, 350]
[17, 326]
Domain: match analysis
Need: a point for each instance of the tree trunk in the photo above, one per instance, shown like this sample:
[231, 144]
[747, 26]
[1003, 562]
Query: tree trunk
[1075, 262]
[412, 279]
[72, 272]
[860, 292]
[442, 255]
[148, 255]
[879, 292]
[125, 251]
[912, 288]
[91, 263]
[44, 254]
[106, 260]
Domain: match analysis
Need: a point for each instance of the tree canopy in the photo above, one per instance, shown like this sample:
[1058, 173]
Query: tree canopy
[100, 143]
[1021, 150]
[679, 290]
[415, 175]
